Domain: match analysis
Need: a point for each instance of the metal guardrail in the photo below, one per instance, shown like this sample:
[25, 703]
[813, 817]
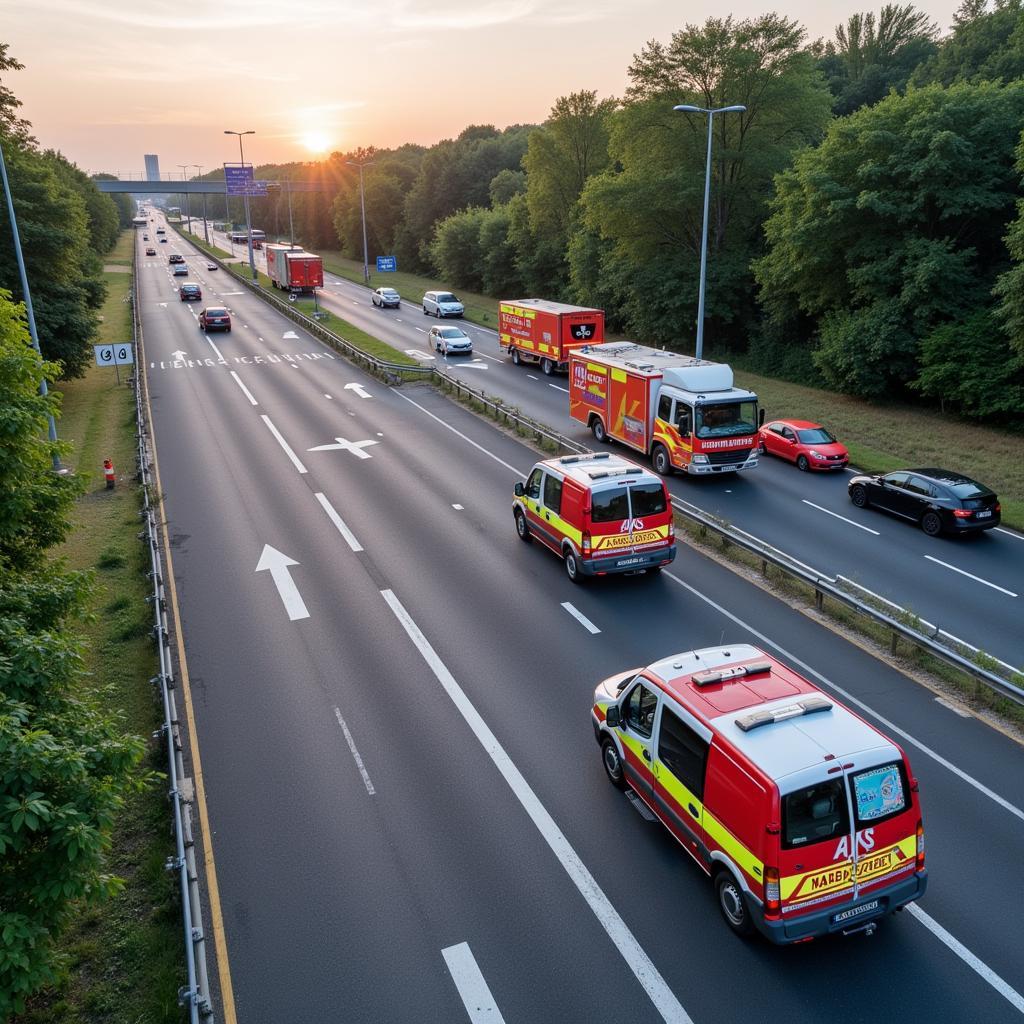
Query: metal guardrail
[196, 994]
[938, 642]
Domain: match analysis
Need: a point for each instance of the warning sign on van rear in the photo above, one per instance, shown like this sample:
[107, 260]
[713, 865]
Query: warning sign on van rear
[837, 877]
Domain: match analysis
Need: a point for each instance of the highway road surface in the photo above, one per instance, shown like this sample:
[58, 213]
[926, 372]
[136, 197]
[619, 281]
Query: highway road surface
[409, 817]
[972, 587]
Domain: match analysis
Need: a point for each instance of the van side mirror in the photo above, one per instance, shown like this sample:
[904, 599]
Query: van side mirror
[519, 490]
[611, 716]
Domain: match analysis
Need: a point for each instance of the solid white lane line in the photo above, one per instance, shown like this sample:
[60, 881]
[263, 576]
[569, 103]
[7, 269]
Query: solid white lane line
[327, 396]
[350, 537]
[978, 966]
[472, 986]
[468, 440]
[558, 387]
[970, 576]
[1010, 533]
[836, 515]
[421, 330]
[949, 705]
[284, 444]
[245, 390]
[846, 695]
[638, 961]
[580, 618]
[355, 753]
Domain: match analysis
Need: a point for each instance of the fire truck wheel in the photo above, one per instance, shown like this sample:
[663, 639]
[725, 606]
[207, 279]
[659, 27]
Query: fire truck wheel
[547, 367]
[522, 528]
[733, 904]
[931, 524]
[515, 357]
[859, 496]
[662, 463]
[802, 464]
[612, 764]
[597, 429]
[572, 566]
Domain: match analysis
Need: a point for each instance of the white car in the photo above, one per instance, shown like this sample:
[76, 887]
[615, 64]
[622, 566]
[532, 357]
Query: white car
[441, 304]
[386, 298]
[450, 340]
[210, 265]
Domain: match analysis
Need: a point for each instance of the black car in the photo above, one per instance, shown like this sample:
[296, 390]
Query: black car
[938, 500]
[190, 291]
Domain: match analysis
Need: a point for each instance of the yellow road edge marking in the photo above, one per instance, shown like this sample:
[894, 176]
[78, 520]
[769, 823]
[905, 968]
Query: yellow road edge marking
[216, 917]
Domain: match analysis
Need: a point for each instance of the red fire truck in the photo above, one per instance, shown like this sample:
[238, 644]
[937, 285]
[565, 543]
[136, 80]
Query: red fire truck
[294, 270]
[538, 331]
[686, 415]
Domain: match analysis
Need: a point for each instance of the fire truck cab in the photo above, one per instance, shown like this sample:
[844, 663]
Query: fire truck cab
[806, 817]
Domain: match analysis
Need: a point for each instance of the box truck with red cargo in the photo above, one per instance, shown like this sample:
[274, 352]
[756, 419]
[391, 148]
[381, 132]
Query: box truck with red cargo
[294, 270]
[684, 413]
[538, 331]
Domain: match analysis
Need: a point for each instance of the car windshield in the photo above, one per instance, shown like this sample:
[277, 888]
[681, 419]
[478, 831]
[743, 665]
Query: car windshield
[815, 435]
[727, 419]
[446, 297]
[389, 293]
[452, 332]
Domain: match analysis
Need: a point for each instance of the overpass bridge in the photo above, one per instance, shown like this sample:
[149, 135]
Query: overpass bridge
[139, 186]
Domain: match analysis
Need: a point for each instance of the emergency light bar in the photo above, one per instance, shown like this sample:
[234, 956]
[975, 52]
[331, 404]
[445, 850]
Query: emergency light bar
[804, 707]
[566, 460]
[720, 675]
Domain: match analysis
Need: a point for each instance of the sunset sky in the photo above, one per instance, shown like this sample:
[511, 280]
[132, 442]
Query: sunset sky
[106, 82]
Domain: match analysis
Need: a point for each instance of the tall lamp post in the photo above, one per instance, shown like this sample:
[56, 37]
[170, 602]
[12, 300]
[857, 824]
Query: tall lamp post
[687, 108]
[206, 233]
[248, 220]
[362, 207]
[184, 178]
[29, 312]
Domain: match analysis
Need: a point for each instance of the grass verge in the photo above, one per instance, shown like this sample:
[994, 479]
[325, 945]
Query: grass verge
[124, 959]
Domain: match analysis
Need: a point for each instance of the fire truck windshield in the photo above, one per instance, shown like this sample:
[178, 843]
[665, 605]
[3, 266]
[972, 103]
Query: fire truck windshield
[726, 419]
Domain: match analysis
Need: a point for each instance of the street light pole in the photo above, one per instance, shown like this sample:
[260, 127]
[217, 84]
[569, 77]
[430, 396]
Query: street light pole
[687, 108]
[206, 233]
[29, 312]
[291, 225]
[184, 177]
[248, 220]
[362, 207]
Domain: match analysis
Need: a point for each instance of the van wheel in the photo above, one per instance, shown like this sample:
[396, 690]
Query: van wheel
[733, 904]
[662, 463]
[515, 357]
[572, 566]
[931, 524]
[612, 764]
[522, 527]
[547, 367]
[597, 429]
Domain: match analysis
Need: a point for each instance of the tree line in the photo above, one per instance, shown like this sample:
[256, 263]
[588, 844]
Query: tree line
[866, 232]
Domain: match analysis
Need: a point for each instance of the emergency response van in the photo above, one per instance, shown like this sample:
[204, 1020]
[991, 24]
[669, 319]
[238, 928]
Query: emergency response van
[600, 512]
[539, 331]
[806, 817]
[685, 413]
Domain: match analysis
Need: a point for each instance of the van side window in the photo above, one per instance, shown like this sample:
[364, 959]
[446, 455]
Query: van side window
[553, 493]
[640, 707]
[683, 752]
[609, 506]
[665, 408]
[814, 814]
[533, 484]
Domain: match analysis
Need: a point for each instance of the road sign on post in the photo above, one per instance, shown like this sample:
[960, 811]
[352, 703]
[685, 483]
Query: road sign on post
[115, 356]
[238, 179]
[387, 264]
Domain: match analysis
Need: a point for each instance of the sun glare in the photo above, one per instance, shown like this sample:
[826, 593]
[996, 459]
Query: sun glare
[316, 142]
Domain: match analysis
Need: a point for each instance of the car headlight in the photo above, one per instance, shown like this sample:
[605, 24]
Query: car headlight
[816, 455]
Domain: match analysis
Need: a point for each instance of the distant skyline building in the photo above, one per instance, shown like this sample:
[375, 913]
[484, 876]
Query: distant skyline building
[152, 167]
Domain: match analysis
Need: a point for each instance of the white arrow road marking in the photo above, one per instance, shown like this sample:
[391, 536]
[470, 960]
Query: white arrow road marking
[277, 563]
[416, 354]
[359, 390]
[472, 986]
[289, 336]
[180, 355]
[355, 447]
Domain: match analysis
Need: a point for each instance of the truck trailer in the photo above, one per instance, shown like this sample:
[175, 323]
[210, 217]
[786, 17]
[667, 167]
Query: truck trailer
[294, 270]
[685, 414]
[538, 331]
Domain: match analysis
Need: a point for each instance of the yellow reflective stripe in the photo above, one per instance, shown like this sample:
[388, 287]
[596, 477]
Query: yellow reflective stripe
[637, 746]
[555, 521]
[610, 541]
[595, 367]
[839, 875]
[619, 375]
[718, 835]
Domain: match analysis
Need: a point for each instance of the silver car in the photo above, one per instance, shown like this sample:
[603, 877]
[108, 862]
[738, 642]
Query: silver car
[450, 340]
[386, 298]
[441, 304]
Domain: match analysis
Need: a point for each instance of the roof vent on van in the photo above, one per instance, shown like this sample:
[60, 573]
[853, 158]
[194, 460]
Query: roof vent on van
[720, 675]
[803, 707]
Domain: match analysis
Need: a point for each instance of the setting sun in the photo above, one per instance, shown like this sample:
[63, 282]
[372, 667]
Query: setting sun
[316, 142]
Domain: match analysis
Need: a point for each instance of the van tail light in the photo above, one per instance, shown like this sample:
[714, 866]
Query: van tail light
[586, 543]
[671, 531]
[919, 864]
[772, 900]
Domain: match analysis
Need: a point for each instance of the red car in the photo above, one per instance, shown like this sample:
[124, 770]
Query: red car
[214, 318]
[809, 445]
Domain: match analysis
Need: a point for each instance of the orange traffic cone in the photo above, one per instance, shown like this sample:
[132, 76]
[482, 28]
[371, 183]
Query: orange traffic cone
[108, 473]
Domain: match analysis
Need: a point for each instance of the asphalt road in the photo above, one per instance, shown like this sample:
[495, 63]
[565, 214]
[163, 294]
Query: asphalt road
[972, 587]
[410, 819]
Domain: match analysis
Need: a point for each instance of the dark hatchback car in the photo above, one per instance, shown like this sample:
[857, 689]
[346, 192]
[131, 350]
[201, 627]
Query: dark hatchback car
[215, 318]
[938, 500]
[190, 291]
